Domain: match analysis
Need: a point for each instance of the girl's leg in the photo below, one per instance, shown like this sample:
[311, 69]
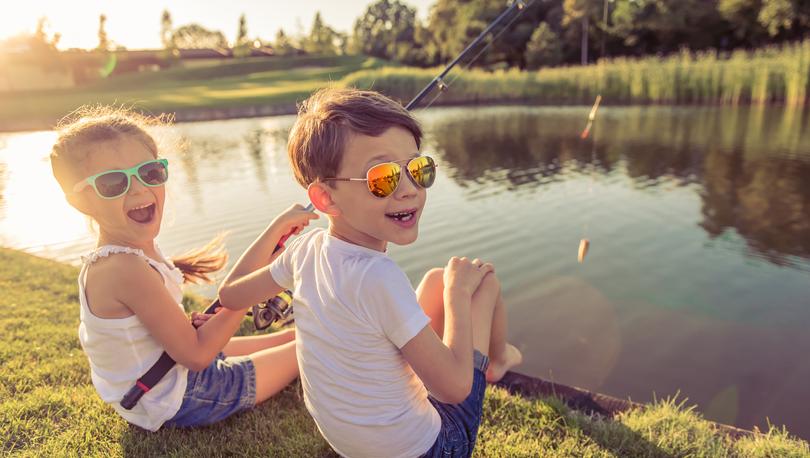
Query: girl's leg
[239, 346]
[275, 367]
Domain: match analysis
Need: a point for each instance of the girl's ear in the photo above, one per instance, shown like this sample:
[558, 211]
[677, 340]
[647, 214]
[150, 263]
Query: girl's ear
[79, 202]
[320, 194]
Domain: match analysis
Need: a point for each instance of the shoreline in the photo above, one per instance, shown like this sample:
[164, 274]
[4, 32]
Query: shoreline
[284, 109]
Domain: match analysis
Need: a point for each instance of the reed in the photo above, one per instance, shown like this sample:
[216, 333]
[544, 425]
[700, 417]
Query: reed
[771, 75]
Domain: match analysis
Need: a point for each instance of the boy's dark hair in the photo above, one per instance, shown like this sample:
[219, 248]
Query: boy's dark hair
[327, 119]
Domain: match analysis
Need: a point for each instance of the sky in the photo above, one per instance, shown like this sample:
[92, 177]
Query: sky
[136, 24]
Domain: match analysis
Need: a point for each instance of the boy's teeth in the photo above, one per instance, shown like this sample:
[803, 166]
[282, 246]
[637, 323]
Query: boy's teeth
[402, 216]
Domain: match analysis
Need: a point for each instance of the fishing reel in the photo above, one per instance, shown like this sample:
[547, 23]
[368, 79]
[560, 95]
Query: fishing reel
[275, 309]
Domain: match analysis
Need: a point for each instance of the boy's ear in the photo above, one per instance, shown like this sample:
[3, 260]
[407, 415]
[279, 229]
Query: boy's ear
[320, 194]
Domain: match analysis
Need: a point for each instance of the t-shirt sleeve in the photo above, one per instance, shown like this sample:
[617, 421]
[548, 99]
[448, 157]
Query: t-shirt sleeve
[281, 269]
[389, 300]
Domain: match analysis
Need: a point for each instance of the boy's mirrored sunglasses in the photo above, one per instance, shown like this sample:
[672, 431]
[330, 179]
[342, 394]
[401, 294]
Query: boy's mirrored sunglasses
[115, 183]
[383, 179]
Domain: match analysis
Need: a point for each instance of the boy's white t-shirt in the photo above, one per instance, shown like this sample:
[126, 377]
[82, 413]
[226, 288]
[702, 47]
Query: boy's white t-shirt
[354, 310]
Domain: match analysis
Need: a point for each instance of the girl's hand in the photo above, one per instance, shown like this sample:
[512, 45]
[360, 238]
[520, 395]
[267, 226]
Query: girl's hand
[198, 319]
[292, 221]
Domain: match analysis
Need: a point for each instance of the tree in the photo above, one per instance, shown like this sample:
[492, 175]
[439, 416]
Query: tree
[103, 42]
[283, 45]
[166, 30]
[321, 38]
[544, 48]
[455, 25]
[241, 47]
[385, 30]
[195, 36]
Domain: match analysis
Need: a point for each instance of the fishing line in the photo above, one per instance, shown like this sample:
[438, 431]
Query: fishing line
[585, 243]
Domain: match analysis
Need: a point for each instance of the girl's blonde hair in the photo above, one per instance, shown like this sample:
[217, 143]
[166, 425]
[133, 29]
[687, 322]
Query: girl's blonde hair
[95, 124]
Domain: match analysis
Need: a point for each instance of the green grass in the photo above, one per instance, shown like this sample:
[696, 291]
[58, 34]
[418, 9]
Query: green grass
[249, 82]
[768, 75]
[48, 406]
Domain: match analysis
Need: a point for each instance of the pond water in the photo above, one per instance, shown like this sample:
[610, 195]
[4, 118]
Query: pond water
[698, 277]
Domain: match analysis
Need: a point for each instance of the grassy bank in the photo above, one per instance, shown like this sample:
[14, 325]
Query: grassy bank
[244, 83]
[48, 406]
[770, 75]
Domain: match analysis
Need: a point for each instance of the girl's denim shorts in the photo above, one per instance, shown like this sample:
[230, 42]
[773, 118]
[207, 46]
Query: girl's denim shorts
[460, 421]
[225, 387]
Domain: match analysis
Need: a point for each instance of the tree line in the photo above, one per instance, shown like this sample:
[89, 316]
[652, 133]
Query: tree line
[547, 33]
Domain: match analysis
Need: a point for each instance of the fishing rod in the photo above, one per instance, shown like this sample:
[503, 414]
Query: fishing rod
[280, 306]
[439, 82]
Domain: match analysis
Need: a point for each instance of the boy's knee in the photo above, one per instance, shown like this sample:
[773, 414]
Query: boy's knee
[435, 277]
[490, 285]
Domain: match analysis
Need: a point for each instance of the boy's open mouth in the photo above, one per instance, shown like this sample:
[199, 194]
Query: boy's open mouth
[402, 216]
[143, 214]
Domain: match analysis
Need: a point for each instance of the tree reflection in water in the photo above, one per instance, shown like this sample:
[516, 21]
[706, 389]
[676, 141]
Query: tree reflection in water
[751, 166]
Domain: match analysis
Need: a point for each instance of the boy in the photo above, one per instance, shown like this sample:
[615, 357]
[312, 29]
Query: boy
[386, 370]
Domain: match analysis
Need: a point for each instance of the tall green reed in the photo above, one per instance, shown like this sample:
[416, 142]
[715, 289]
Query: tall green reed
[775, 74]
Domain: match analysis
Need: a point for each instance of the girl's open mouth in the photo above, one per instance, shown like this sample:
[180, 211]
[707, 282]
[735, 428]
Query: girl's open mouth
[143, 214]
[404, 218]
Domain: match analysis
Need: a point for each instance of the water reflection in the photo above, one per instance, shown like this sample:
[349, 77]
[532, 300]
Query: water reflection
[766, 199]
[752, 165]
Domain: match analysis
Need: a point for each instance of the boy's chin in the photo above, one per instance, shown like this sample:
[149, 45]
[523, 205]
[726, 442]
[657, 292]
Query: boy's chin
[406, 238]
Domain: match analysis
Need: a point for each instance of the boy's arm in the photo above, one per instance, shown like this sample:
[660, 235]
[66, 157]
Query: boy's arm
[250, 282]
[446, 367]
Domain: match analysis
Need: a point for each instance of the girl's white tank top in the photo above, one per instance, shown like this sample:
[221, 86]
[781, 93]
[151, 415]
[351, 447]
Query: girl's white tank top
[120, 350]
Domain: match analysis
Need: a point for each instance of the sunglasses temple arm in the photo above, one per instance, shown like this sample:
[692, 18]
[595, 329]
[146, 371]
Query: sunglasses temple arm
[216, 304]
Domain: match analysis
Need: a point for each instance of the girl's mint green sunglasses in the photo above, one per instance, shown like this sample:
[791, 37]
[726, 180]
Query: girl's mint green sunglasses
[115, 183]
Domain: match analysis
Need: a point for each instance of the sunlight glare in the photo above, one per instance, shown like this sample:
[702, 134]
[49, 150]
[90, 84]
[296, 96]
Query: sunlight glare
[34, 209]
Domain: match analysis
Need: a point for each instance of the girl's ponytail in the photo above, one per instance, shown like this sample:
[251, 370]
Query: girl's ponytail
[198, 263]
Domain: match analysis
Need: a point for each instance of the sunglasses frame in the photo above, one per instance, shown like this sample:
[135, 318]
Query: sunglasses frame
[130, 172]
[401, 169]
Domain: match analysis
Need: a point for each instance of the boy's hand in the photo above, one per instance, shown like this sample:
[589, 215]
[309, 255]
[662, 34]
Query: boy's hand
[293, 220]
[463, 276]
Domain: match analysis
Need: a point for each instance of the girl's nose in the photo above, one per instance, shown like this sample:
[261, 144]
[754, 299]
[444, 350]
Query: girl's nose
[135, 186]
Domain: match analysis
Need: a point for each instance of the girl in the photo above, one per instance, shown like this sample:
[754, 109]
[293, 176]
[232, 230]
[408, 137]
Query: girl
[109, 168]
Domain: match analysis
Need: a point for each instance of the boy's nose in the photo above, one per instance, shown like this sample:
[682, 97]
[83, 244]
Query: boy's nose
[406, 187]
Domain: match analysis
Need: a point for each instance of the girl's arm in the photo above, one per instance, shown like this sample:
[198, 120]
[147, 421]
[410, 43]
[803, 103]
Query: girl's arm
[249, 282]
[145, 294]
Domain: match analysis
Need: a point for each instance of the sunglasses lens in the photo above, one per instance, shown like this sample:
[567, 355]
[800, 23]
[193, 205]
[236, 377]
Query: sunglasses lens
[423, 171]
[153, 173]
[383, 179]
[112, 184]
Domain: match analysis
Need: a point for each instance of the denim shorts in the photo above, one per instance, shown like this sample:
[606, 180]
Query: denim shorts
[225, 387]
[460, 421]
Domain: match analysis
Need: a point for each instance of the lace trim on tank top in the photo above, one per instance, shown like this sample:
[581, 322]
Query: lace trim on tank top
[106, 250]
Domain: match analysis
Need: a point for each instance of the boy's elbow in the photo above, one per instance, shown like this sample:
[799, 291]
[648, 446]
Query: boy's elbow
[457, 393]
[225, 295]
